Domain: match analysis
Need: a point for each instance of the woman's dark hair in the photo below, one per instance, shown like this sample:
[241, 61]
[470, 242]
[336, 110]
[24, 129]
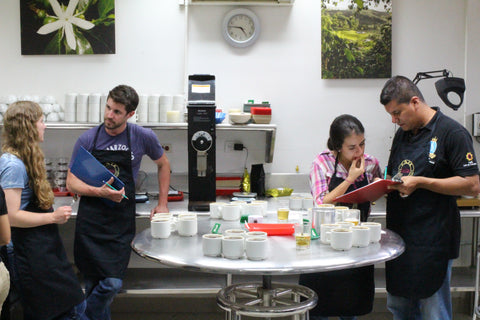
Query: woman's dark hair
[342, 127]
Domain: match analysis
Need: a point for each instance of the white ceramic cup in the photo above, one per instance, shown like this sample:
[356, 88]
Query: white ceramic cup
[235, 232]
[264, 205]
[212, 244]
[162, 227]
[216, 210]
[375, 231]
[325, 232]
[233, 247]
[256, 234]
[307, 202]
[295, 203]
[162, 215]
[341, 239]
[256, 248]
[256, 209]
[361, 236]
[187, 225]
[231, 211]
[345, 224]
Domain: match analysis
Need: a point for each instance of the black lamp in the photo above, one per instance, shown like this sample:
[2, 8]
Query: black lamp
[445, 86]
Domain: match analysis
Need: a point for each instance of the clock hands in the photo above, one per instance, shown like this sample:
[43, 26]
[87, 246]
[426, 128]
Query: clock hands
[241, 28]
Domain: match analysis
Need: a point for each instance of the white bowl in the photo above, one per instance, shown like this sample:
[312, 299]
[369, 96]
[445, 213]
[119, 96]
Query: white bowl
[239, 118]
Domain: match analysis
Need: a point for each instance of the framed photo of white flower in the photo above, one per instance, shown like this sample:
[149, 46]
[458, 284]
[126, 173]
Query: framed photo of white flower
[59, 27]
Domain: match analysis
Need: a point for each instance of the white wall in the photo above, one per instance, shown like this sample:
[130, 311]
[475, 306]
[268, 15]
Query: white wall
[282, 67]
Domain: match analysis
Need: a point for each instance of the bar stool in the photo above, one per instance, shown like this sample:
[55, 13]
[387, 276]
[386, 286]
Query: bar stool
[266, 300]
[476, 307]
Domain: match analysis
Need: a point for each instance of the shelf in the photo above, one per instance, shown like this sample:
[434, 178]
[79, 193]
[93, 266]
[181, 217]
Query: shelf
[269, 129]
[239, 2]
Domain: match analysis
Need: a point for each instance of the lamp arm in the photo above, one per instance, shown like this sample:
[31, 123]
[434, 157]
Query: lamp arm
[431, 74]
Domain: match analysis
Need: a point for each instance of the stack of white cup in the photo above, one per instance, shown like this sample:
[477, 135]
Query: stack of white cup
[166, 105]
[153, 108]
[178, 103]
[142, 108]
[82, 107]
[70, 107]
[94, 108]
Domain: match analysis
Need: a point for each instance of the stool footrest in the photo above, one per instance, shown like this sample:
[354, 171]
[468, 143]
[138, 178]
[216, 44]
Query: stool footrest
[253, 300]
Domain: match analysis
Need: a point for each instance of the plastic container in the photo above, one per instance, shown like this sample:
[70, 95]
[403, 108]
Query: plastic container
[272, 229]
[261, 115]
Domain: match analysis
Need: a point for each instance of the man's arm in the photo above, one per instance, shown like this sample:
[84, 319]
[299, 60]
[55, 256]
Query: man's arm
[79, 187]
[163, 171]
[454, 186]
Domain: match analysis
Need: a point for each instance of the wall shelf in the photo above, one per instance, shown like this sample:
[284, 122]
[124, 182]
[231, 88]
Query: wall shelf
[269, 130]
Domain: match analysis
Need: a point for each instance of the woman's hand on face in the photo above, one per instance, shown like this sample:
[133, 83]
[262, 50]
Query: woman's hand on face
[357, 168]
[62, 214]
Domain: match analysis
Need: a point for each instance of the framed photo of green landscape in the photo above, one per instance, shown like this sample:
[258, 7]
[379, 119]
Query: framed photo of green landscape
[356, 39]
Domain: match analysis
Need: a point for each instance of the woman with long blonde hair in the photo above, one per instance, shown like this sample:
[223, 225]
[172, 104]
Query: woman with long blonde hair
[48, 287]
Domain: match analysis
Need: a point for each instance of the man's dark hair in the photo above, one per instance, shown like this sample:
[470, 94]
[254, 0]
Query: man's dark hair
[400, 89]
[125, 95]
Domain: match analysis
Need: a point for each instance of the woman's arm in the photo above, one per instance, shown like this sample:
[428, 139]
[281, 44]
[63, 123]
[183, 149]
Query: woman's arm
[4, 230]
[26, 219]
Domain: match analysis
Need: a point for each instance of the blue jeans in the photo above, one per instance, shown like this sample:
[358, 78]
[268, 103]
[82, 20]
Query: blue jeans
[100, 294]
[77, 312]
[437, 306]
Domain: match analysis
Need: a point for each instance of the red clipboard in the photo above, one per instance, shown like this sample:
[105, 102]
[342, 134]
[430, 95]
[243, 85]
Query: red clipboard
[370, 192]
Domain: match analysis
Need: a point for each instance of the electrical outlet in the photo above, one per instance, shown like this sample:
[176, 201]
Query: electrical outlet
[229, 146]
[167, 147]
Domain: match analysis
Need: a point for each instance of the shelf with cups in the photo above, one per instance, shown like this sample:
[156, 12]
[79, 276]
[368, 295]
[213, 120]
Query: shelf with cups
[269, 129]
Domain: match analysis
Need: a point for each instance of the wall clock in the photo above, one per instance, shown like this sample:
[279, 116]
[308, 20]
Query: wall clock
[241, 27]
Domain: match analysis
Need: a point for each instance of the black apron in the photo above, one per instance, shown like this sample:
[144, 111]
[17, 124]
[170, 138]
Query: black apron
[348, 292]
[105, 229]
[420, 271]
[48, 286]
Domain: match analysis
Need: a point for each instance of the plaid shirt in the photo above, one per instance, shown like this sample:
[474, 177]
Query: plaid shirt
[323, 168]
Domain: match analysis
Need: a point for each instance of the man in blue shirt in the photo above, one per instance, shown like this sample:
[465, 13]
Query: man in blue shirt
[104, 230]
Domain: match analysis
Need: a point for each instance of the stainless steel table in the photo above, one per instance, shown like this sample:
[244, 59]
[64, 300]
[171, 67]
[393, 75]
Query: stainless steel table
[186, 253]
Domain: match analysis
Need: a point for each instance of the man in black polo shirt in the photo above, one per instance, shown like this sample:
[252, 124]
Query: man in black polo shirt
[435, 156]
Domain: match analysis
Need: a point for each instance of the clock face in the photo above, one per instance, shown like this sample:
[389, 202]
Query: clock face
[241, 27]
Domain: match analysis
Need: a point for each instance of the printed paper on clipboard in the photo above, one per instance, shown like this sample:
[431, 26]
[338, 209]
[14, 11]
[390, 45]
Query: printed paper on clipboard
[88, 169]
[370, 192]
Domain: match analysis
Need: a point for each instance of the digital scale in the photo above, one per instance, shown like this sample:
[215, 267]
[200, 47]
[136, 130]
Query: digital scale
[201, 142]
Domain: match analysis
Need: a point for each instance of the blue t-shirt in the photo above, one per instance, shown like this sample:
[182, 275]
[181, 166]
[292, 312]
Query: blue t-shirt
[142, 140]
[13, 175]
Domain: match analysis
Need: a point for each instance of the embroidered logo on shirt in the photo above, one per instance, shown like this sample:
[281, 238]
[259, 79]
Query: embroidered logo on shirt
[433, 148]
[469, 157]
[113, 168]
[406, 168]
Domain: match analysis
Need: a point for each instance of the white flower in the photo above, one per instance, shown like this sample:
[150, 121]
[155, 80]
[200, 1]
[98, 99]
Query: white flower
[65, 21]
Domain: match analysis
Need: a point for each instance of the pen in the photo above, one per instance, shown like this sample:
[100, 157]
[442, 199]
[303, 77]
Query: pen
[111, 187]
[385, 175]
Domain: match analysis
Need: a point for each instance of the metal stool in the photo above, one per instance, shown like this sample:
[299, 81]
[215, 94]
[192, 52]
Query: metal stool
[476, 307]
[266, 300]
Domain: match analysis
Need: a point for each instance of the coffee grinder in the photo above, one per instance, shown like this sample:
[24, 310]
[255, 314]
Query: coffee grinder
[201, 142]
